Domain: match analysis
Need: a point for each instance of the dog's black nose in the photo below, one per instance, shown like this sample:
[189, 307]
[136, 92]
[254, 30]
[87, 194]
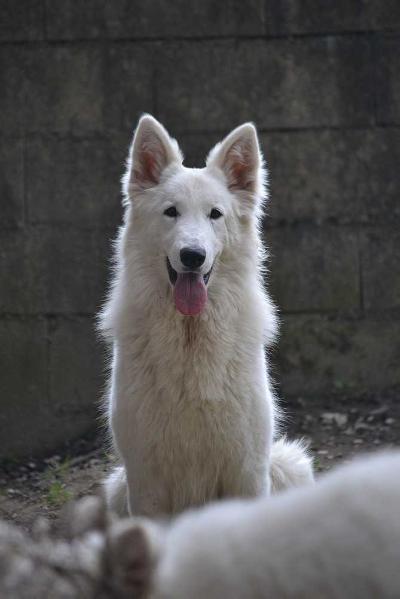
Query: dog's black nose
[192, 257]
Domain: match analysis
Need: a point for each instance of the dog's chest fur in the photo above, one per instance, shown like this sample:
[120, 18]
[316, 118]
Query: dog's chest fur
[173, 364]
[190, 397]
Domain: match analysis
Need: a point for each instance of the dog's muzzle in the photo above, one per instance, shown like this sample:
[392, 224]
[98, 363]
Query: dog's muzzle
[173, 275]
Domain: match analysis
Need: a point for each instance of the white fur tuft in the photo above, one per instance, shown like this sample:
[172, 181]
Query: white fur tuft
[115, 491]
[291, 465]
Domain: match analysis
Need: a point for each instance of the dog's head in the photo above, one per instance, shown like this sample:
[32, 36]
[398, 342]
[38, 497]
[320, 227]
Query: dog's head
[184, 218]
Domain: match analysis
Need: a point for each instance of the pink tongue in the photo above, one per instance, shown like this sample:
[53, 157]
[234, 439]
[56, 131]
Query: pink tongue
[190, 293]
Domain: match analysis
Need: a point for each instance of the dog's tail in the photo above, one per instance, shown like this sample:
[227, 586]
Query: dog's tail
[291, 465]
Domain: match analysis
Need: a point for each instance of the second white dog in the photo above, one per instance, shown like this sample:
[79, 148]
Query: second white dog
[190, 404]
[337, 539]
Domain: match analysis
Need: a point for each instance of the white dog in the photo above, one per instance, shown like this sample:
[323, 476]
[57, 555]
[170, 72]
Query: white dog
[337, 539]
[190, 404]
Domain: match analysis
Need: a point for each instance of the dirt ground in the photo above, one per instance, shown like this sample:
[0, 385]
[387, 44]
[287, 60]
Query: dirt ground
[335, 430]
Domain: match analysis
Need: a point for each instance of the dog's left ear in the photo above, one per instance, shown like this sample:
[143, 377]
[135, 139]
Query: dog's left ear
[239, 158]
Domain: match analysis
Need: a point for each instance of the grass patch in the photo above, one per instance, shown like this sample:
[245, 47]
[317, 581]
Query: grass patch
[317, 464]
[57, 493]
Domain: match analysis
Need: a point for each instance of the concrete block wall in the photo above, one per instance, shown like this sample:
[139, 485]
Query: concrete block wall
[322, 83]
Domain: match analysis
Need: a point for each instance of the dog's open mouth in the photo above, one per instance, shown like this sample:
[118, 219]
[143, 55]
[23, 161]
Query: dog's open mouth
[190, 290]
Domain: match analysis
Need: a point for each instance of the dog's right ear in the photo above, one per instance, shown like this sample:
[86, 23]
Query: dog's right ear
[151, 152]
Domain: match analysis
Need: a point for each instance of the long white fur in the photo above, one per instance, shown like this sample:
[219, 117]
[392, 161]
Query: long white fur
[190, 405]
[337, 539]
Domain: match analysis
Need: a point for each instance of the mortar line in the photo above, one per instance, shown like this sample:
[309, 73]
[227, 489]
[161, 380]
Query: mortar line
[115, 134]
[361, 274]
[393, 314]
[288, 36]
[25, 215]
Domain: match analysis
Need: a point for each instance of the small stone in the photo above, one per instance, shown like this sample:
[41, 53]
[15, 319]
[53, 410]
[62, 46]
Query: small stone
[360, 425]
[389, 421]
[349, 431]
[334, 418]
[54, 459]
[380, 410]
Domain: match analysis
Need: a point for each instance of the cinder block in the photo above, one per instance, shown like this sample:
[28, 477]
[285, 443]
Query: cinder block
[76, 365]
[75, 266]
[249, 16]
[124, 19]
[11, 182]
[54, 270]
[12, 90]
[388, 80]
[39, 414]
[314, 269]
[320, 356]
[128, 85]
[84, 90]
[74, 181]
[297, 17]
[346, 176]
[21, 274]
[380, 261]
[384, 15]
[65, 89]
[276, 83]
[287, 17]
[23, 387]
[21, 20]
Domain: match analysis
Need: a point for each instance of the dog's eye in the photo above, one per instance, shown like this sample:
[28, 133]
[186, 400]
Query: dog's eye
[171, 212]
[215, 213]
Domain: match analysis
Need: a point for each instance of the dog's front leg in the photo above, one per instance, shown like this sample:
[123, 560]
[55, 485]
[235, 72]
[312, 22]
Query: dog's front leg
[244, 482]
[144, 490]
[146, 493]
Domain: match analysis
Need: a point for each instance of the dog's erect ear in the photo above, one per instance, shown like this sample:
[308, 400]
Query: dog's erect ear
[133, 551]
[239, 158]
[151, 152]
